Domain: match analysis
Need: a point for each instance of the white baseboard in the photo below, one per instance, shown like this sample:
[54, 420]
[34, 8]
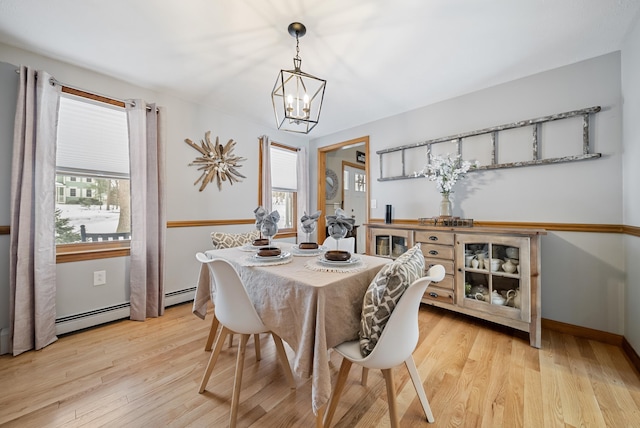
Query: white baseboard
[181, 296]
[118, 312]
[92, 320]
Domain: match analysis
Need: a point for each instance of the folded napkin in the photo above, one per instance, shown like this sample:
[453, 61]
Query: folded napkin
[270, 223]
[309, 221]
[259, 212]
[341, 219]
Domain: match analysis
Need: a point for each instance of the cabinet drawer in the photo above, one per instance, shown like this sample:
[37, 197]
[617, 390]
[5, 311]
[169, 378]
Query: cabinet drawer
[447, 282]
[438, 294]
[434, 237]
[437, 251]
[448, 265]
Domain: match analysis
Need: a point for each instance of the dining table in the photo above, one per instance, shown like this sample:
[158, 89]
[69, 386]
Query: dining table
[312, 304]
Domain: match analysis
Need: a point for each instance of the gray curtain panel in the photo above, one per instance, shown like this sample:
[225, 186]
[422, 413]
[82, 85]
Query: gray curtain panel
[32, 265]
[302, 166]
[148, 218]
[265, 148]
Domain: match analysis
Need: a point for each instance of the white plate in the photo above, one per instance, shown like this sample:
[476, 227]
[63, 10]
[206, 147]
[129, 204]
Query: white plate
[281, 256]
[320, 249]
[353, 260]
[250, 247]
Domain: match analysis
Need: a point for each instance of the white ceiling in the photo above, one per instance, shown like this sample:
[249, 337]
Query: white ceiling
[379, 58]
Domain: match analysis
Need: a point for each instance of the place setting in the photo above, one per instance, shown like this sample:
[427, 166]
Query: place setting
[336, 260]
[308, 224]
[265, 253]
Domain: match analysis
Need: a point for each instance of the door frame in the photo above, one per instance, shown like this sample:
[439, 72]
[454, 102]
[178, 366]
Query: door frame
[322, 189]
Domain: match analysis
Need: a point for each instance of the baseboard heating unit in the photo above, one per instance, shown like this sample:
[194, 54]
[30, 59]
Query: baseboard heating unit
[107, 314]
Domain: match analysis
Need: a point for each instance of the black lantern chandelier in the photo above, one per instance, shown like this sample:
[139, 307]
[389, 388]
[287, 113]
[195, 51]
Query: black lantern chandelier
[297, 96]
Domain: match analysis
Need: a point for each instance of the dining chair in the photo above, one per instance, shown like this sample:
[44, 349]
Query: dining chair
[395, 346]
[236, 314]
[345, 244]
[215, 324]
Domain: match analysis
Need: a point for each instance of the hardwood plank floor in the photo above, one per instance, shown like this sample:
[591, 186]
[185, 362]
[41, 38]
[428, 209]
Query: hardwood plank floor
[475, 374]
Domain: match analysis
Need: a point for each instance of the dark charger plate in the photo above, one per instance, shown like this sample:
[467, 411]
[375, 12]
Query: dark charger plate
[269, 252]
[337, 256]
[308, 245]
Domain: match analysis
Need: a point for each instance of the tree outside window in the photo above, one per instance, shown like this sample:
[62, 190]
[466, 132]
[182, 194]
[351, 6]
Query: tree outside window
[93, 154]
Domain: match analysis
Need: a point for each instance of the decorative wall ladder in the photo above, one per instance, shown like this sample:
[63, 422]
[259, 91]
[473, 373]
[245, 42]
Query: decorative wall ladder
[536, 124]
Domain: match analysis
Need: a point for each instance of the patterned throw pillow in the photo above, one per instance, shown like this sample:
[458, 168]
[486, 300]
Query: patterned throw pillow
[229, 240]
[383, 295]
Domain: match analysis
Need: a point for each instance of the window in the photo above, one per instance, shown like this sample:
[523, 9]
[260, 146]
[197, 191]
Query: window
[360, 182]
[93, 153]
[284, 185]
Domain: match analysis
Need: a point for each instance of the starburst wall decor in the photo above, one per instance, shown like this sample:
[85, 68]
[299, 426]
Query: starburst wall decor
[217, 162]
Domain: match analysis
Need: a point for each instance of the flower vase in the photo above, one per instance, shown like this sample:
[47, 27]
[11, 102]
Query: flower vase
[445, 206]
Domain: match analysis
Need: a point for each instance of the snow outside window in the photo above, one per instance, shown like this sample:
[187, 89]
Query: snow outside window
[92, 153]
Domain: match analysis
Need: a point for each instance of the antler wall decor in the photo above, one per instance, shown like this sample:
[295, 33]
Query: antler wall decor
[217, 162]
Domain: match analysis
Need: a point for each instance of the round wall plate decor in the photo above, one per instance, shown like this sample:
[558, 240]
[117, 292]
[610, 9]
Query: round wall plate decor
[331, 184]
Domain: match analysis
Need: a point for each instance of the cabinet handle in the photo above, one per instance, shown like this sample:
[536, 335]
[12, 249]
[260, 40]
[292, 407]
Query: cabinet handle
[433, 252]
[432, 294]
[433, 238]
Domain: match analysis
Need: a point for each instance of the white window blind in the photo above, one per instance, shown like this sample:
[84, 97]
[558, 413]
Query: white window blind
[92, 139]
[283, 169]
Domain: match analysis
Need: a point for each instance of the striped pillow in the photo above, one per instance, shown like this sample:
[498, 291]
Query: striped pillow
[383, 295]
[229, 240]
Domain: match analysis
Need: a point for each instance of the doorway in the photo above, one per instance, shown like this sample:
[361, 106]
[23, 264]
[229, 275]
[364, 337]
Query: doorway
[351, 156]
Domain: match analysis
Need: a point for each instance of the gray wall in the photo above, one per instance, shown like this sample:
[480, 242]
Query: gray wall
[588, 279]
[76, 293]
[631, 174]
[583, 274]
[9, 91]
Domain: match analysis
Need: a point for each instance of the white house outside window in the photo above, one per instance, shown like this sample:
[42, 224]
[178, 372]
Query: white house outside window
[284, 185]
[92, 155]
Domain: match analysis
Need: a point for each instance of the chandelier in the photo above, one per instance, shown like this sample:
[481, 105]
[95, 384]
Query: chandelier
[297, 96]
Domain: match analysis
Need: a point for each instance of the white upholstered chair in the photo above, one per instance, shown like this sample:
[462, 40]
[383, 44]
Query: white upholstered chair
[237, 314]
[345, 244]
[395, 346]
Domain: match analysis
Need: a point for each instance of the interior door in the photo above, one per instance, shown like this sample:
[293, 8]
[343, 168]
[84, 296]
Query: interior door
[355, 200]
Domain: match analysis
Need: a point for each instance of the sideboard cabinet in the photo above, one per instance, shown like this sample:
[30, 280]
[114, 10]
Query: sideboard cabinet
[490, 273]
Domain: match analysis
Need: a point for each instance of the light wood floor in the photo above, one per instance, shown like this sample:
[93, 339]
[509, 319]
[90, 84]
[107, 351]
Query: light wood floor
[134, 374]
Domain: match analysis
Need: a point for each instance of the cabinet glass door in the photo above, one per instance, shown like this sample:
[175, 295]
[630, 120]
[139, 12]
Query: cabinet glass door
[494, 280]
[390, 243]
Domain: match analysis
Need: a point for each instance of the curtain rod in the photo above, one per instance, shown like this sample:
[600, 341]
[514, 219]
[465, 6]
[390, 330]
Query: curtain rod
[55, 81]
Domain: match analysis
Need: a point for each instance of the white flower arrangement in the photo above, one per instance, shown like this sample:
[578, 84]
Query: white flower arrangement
[446, 171]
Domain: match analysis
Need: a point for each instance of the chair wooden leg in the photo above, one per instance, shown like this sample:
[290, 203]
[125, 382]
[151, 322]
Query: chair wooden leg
[417, 384]
[256, 341]
[283, 360]
[320, 417]
[212, 333]
[230, 340]
[337, 390]
[214, 357]
[365, 376]
[237, 383]
[391, 397]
